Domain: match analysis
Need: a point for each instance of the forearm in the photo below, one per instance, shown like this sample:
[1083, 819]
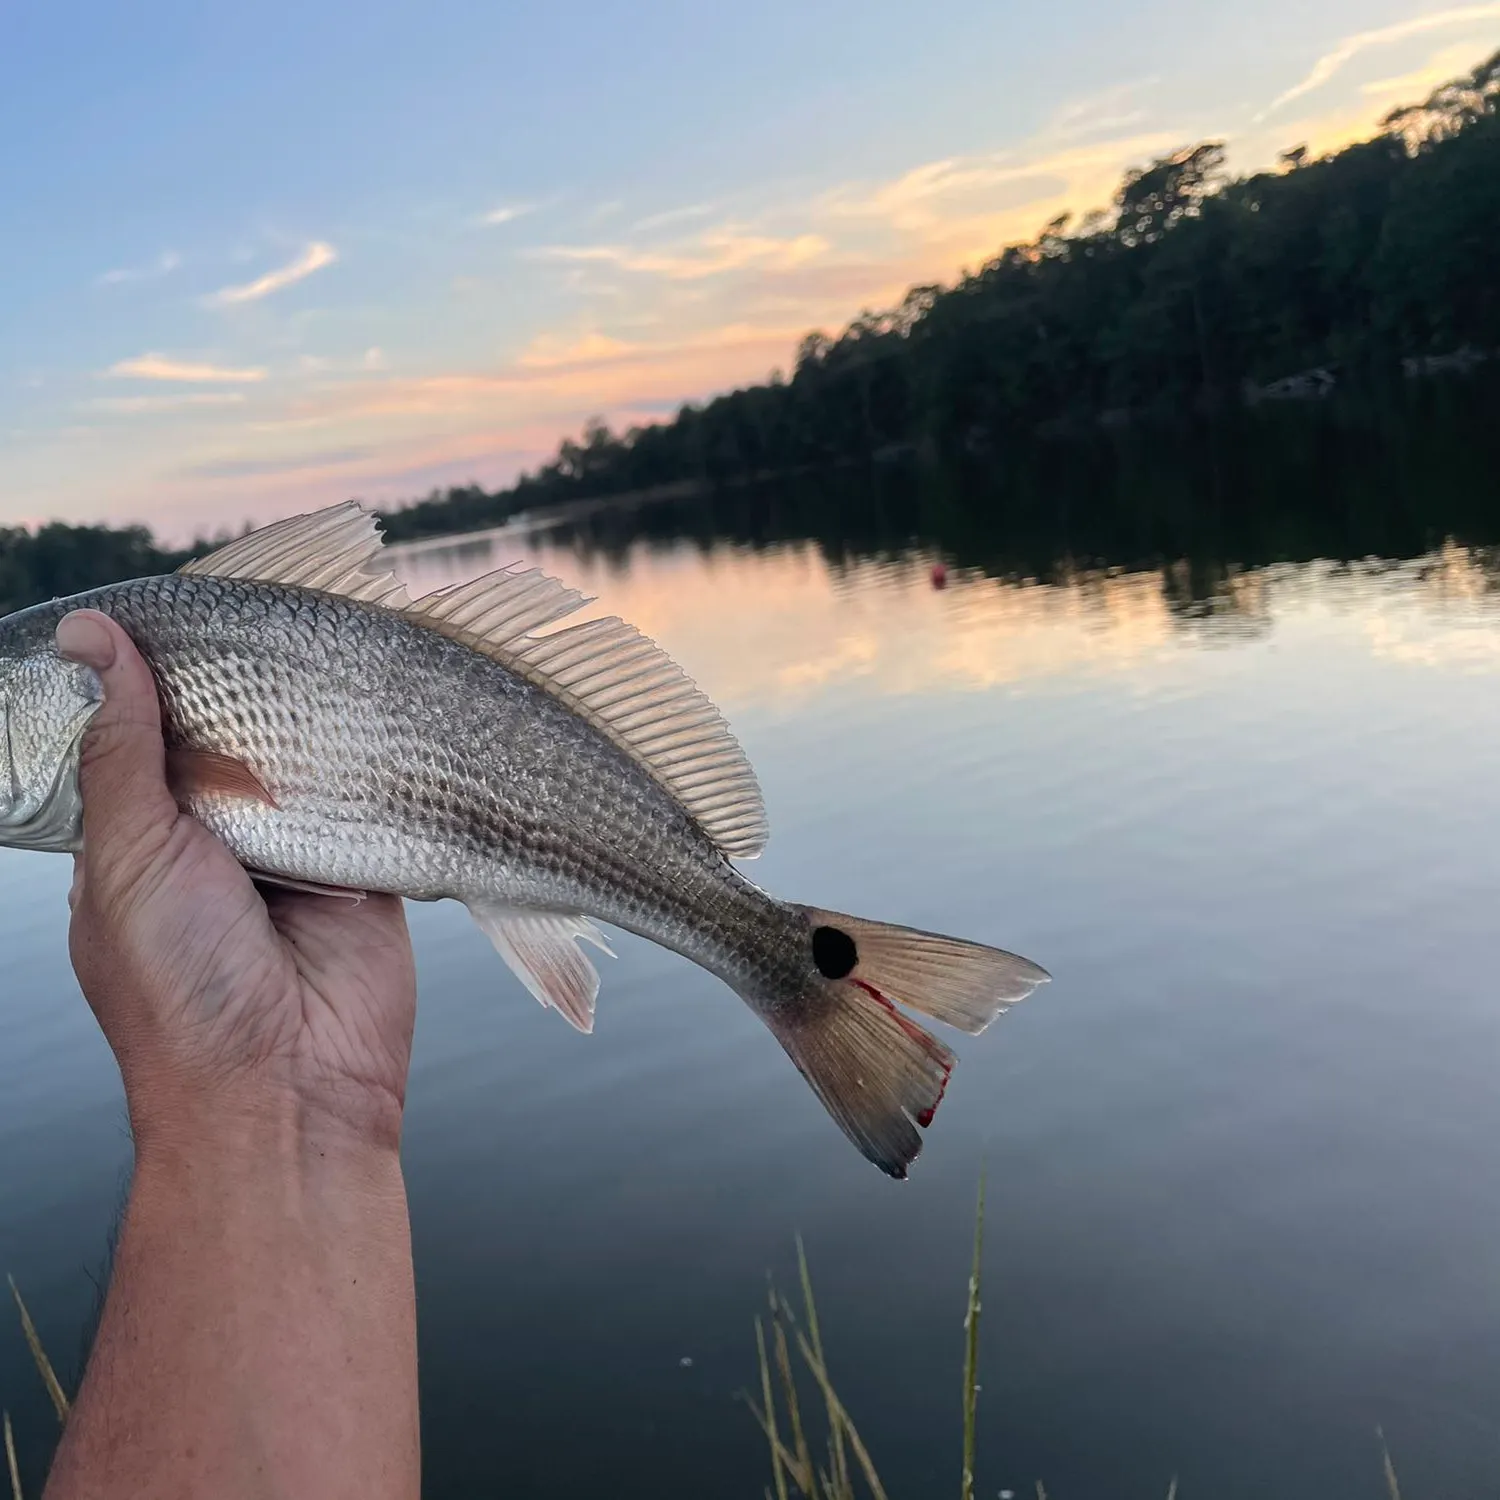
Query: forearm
[259, 1335]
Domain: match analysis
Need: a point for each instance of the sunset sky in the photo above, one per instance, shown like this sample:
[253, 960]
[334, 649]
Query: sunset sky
[252, 261]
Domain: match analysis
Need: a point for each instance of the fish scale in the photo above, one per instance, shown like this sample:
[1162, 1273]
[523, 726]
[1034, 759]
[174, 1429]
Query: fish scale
[336, 735]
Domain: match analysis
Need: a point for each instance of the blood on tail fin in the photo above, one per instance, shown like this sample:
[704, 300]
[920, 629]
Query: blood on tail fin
[879, 1074]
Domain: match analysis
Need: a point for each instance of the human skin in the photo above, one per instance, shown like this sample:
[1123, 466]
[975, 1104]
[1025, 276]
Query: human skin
[259, 1333]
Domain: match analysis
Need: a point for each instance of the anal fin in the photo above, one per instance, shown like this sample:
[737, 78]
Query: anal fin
[542, 948]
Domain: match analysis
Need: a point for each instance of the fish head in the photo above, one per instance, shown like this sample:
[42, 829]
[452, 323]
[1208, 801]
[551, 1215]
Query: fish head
[46, 703]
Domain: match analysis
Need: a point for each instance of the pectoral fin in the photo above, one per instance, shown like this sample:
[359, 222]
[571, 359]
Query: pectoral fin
[206, 773]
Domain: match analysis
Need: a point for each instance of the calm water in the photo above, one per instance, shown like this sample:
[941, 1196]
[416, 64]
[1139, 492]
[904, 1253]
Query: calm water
[1242, 1153]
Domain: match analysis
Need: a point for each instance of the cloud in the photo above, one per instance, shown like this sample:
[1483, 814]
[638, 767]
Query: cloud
[314, 258]
[671, 216]
[551, 352]
[1108, 110]
[167, 403]
[160, 367]
[927, 195]
[1332, 62]
[164, 264]
[248, 468]
[1422, 81]
[508, 212]
[716, 251]
[555, 379]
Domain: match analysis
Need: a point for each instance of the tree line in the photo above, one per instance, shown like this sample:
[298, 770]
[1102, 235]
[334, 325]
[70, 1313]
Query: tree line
[1194, 291]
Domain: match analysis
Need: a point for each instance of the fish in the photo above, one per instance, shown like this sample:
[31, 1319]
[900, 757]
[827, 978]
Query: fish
[341, 737]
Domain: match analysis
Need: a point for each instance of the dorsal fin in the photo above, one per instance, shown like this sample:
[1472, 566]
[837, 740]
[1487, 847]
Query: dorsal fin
[620, 682]
[337, 550]
[606, 671]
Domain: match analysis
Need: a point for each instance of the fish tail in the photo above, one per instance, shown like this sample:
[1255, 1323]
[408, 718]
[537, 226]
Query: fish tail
[879, 1074]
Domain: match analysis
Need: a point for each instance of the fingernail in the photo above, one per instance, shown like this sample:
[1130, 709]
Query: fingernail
[82, 638]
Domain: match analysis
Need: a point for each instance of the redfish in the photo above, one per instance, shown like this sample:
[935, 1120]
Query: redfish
[340, 737]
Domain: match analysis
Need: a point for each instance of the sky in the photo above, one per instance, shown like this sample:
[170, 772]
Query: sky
[254, 260]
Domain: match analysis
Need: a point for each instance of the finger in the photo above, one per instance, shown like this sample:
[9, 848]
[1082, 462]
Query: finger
[127, 808]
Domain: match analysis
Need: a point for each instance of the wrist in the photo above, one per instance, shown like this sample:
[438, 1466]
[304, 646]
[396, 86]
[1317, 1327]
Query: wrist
[263, 1123]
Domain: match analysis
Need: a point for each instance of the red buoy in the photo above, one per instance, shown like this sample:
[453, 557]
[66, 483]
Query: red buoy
[939, 575]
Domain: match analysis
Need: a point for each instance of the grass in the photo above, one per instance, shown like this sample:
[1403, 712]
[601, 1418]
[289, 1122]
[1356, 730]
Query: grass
[10, 1459]
[971, 1350]
[795, 1472]
[842, 1456]
[49, 1379]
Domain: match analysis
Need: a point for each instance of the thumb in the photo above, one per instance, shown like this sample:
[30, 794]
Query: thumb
[128, 810]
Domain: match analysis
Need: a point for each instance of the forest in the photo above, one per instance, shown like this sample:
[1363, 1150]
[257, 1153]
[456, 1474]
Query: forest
[1193, 293]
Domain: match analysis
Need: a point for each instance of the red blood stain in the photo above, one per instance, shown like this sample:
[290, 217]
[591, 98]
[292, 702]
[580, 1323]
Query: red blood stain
[929, 1044]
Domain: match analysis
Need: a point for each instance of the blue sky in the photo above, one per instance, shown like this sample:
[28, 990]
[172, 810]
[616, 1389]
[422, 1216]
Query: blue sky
[255, 259]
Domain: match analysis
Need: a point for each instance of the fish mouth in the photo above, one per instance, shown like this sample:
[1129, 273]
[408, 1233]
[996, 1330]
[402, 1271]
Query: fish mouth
[55, 825]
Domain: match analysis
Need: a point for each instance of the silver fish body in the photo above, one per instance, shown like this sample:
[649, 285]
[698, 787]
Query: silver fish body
[393, 756]
[402, 761]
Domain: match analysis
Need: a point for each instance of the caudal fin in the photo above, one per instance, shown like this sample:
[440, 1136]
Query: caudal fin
[963, 984]
[879, 1074]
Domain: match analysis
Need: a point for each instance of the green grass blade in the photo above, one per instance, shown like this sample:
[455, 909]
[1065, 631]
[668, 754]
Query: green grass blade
[804, 1477]
[39, 1355]
[788, 1460]
[971, 1350]
[10, 1460]
[1392, 1488]
[839, 1419]
[768, 1421]
[841, 1487]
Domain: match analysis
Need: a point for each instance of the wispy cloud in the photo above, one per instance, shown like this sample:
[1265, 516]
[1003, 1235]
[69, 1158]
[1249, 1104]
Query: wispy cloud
[1107, 111]
[180, 402]
[162, 367]
[1333, 61]
[928, 195]
[164, 264]
[259, 468]
[672, 216]
[314, 258]
[551, 352]
[508, 212]
[727, 248]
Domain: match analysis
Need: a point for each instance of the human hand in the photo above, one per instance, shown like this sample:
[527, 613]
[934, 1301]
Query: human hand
[219, 1001]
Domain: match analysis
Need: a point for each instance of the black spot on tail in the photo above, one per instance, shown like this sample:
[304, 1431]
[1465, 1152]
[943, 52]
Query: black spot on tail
[834, 952]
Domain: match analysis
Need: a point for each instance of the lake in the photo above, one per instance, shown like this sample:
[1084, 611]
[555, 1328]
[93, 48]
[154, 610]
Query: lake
[1243, 1187]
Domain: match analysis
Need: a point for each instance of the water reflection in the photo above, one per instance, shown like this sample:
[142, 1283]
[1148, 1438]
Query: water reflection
[1223, 768]
[881, 622]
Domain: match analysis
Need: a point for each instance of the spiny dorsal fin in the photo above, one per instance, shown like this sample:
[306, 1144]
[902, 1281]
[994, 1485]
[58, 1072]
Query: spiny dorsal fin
[617, 680]
[337, 550]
